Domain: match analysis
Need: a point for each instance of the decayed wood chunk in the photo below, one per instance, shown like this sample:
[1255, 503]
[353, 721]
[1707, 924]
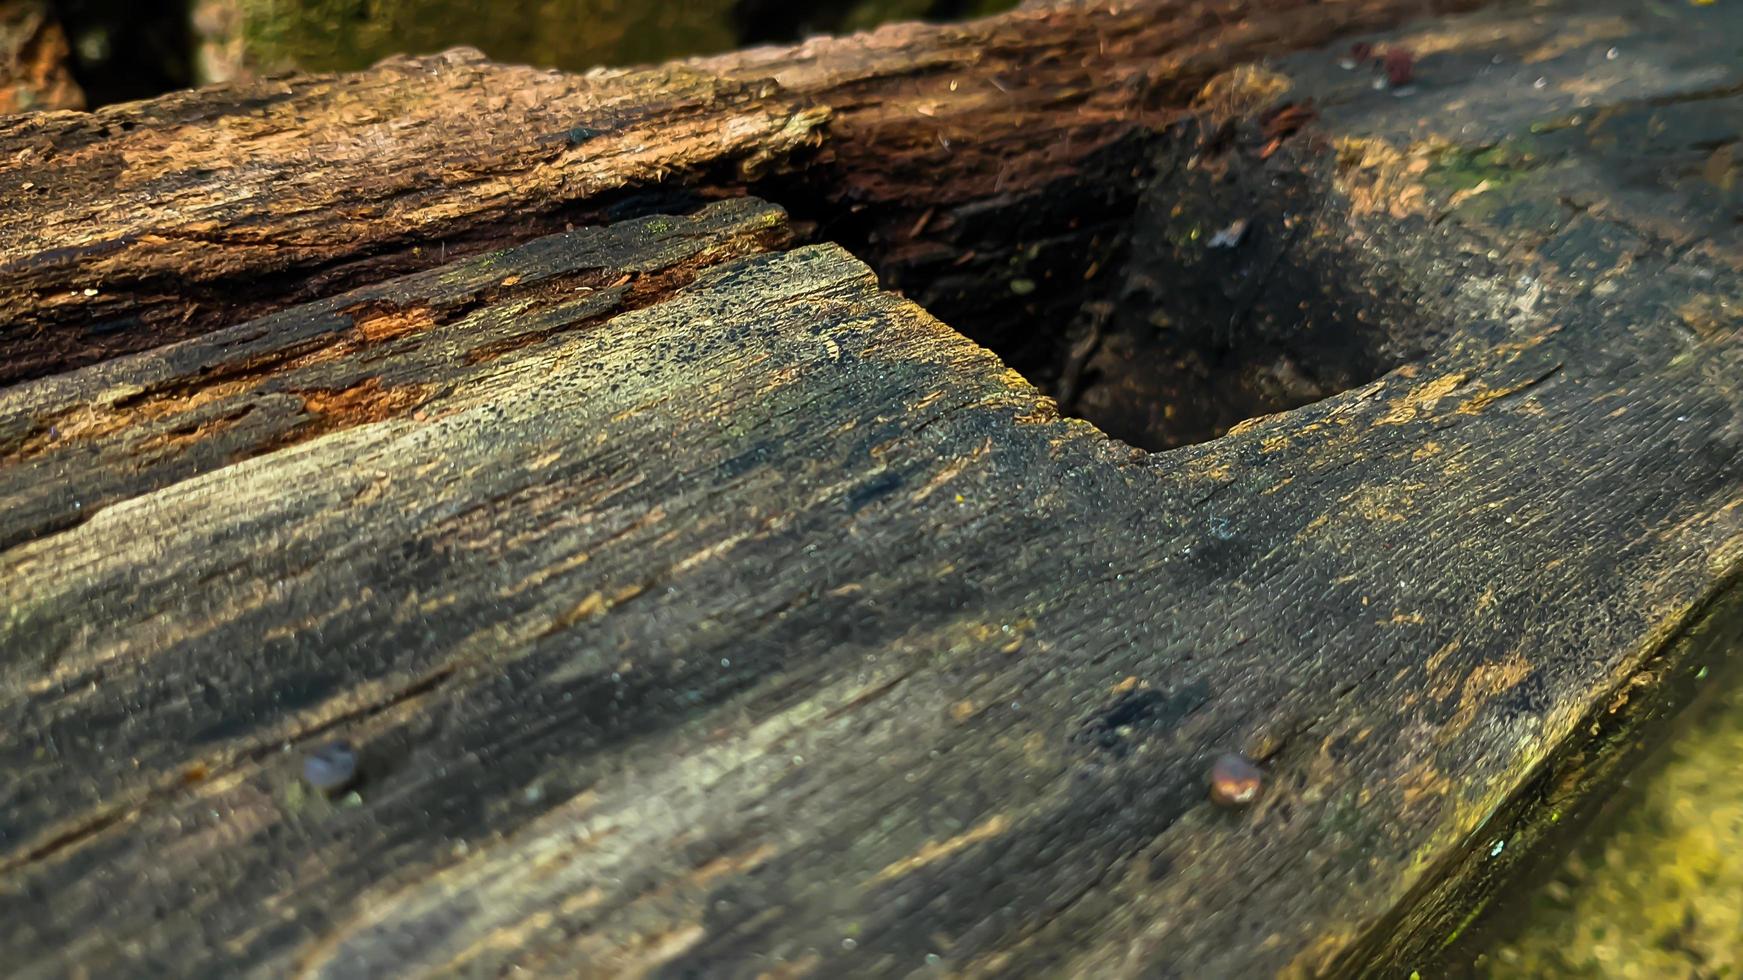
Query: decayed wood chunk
[287, 189]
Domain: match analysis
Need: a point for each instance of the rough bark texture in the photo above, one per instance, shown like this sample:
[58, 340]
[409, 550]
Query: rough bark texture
[163, 219]
[699, 607]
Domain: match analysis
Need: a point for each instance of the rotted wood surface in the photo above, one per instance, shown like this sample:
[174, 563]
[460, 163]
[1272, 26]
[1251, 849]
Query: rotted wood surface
[698, 607]
[162, 219]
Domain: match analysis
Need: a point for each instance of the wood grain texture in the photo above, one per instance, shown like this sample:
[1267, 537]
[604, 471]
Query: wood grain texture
[742, 618]
[83, 440]
[154, 221]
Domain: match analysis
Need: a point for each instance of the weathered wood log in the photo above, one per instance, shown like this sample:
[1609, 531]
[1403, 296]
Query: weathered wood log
[696, 606]
[306, 186]
[87, 439]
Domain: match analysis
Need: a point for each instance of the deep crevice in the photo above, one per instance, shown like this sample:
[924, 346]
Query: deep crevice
[1174, 284]
[1178, 283]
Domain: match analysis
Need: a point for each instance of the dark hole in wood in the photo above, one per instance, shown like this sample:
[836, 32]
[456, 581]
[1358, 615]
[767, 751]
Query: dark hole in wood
[1165, 291]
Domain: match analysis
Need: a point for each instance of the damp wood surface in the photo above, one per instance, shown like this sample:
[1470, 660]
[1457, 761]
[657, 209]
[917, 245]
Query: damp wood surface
[699, 605]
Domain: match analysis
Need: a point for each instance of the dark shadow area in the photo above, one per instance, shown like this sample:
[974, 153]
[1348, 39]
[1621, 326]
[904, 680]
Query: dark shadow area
[1168, 290]
[786, 21]
[1165, 287]
[128, 50]
[1228, 306]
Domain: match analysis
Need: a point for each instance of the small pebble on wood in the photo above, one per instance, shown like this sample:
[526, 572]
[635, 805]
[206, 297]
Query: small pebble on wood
[1234, 781]
[331, 768]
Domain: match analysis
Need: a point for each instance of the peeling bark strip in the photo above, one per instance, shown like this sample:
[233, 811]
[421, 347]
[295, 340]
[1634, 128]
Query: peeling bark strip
[154, 221]
[692, 605]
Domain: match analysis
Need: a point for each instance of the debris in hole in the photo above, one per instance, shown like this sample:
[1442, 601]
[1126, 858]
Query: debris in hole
[1071, 375]
[331, 768]
[1231, 236]
[1234, 781]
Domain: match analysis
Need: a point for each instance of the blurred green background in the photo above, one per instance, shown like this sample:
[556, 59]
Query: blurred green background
[1654, 889]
